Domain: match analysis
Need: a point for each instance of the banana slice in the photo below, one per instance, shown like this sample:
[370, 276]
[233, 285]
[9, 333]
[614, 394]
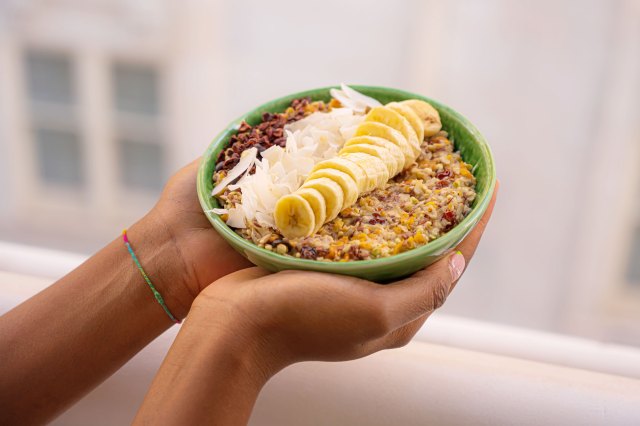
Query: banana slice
[294, 216]
[428, 114]
[372, 128]
[411, 116]
[345, 166]
[346, 182]
[317, 203]
[375, 169]
[376, 151]
[332, 193]
[393, 119]
[394, 150]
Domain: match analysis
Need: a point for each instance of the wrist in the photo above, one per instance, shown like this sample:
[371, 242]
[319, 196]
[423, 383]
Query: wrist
[208, 377]
[160, 256]
[224, 325]
[205, 255]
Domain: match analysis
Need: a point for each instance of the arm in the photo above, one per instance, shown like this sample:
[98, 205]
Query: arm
[249, 325]
[61, 343]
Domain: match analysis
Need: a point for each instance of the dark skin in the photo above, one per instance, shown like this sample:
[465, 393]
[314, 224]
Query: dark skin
[244, 326]
[64, 341]
[206, 256]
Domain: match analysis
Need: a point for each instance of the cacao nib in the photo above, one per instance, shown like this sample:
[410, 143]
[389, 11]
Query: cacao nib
[354, 252]
[377, 218]
[264, 135]
[307, 252]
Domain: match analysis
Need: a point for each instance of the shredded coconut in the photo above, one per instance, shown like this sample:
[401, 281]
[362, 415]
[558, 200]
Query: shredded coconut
[281, 171]
[350, 98]
[247, 158]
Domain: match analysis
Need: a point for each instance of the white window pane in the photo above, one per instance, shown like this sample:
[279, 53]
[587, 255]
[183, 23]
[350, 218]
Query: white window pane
[136, 89]
[49, 77]
[59, 157]
[141, 165]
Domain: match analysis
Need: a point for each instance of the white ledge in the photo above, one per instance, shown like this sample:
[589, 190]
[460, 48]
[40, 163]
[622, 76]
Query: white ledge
[423, 383]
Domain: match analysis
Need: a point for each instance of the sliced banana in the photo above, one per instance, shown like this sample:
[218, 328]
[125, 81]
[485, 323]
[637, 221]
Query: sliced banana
[376, 171]
[376, 151]
[407, 112]
[345, 166]
[294, 216]
[332, 193]
[393, 119]
[427, 113]
[386, 142]
[317, 203]
[346, 182]
[373, 128]
[393, 150]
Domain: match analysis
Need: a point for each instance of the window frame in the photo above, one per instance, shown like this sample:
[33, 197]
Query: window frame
[128, 125]
[32, 114]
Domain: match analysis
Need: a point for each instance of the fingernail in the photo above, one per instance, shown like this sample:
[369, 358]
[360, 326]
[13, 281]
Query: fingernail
[456, 265]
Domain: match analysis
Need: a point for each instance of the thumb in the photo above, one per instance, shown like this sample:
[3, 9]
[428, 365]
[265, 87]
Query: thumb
[423, 292]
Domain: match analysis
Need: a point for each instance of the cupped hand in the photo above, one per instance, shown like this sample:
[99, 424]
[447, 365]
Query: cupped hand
[205, 256]
[294, 315]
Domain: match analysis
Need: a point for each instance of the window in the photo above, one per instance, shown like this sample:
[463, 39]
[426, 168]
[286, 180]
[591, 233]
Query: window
[49, 77]
[59, 157]
[137, 110]
[136, 89]
[141, 165]
[52, 116]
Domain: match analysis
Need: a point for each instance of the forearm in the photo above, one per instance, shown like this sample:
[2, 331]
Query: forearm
[210, 376]
[64, 341]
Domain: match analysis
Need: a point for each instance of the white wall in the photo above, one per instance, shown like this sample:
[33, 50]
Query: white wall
[536, 77]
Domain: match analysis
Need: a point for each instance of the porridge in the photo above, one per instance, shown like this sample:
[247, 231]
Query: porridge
[346, 180]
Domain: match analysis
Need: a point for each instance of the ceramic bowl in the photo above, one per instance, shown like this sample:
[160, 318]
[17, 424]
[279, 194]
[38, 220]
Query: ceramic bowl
[467, 139]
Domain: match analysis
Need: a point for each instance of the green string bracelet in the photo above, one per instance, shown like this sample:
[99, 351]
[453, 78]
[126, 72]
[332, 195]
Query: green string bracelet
[155, 292]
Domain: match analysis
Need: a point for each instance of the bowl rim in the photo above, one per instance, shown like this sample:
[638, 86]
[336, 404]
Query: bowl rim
[439, 245]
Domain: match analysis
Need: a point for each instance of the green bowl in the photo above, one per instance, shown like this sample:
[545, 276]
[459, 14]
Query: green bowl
[467, 139]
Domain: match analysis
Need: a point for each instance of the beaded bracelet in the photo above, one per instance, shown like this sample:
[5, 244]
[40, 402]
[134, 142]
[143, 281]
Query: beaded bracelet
[155, 292]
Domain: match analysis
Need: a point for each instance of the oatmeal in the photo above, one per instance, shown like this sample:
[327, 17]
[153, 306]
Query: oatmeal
[369, 192]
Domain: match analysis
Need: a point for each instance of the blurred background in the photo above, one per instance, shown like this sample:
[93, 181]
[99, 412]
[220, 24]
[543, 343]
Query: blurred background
[102, 100]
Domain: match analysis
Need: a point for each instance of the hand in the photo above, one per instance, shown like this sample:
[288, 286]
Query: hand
[206, 256]
[295, 316]
[250, 324]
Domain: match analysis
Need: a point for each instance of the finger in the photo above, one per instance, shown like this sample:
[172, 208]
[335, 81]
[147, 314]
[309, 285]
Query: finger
[422, 293]
[426, 290]
[470, 243]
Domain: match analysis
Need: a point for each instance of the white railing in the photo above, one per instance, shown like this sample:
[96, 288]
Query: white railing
[458, 371]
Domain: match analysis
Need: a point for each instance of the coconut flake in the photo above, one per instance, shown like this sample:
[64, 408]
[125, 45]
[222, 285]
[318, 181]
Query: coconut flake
[353, 99]
[236, 218]
[247, 158]
[281, 171]
[359, 97]
[218, 211]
